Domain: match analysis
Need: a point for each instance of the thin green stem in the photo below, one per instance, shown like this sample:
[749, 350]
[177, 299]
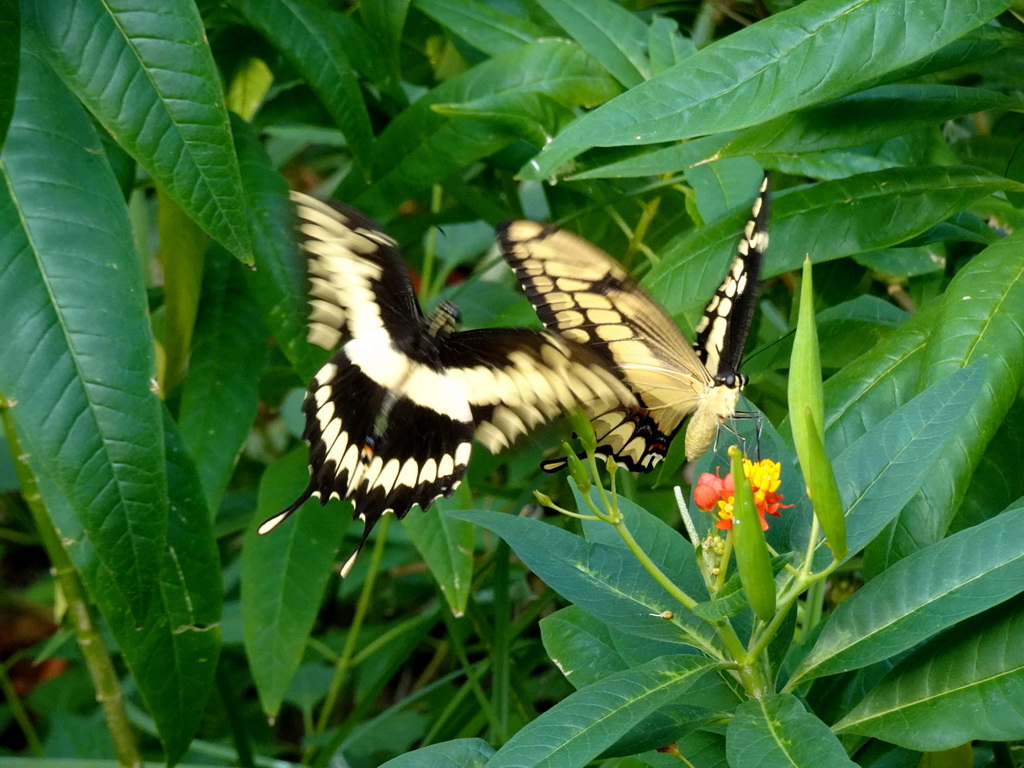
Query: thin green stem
[649, 565]
[427, 288]
[21, 717]
[342, 666]
[723, 566]
[90, 639]
[501, 687]
[471, 674]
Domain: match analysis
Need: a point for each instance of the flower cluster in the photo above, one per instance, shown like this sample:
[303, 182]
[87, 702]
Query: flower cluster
[715, 494]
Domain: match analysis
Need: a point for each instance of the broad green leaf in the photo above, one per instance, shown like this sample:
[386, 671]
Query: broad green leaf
[808, 55]
[978, 320]
[864, 393]
[221, 394]
[721, 186]
[530, 116]
[485, 28]
[579, 728]
[965, 685]
[10, 33]
[148, 77]
[921, 595]
[421, 147]
[903, 262]
[446, 545]
[314, 41]
[828, 220]
[608, 32]
[606, 581]
[278, 282]
[457, 753]
[580, 646]
[78, 370]
[777, 732]
[283, 578]
[882, 470]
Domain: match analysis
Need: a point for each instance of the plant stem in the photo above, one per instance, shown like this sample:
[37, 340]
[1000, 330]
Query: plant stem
[19, 714]
[90, 640]
[342, 667]
[501, 692]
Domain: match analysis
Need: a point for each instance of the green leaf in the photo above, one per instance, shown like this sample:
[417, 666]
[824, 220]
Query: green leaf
[829, 220]
[421, 147]
[313, 39]
[220, 397]
[807, 55]
[384, 21]
[976, 322]
[446, 545]
[665, 46]
[777, 732]
[579, 728]
[580, 646]
[149, 78]
[863, 118]
[10, 33]
[882, 470]
[608, 32]
[71, 284]
[457, 753]
[283, 577]
[920, 595]
[278, 281]
[963, 686]
[485, 28]
[606, 581]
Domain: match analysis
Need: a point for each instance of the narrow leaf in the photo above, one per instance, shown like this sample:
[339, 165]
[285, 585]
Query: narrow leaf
[579, 728]
[609, 33]
[311, 38]
[457, 753]
[283, 578]
[829, 220]
[446, 545]
[221, 394]
[963, 686]
[606, 581]
[485, 28]
[920, 595]
[978, 321]
[807, 55]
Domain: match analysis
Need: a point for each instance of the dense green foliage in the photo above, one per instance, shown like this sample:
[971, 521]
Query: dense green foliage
[154, 359]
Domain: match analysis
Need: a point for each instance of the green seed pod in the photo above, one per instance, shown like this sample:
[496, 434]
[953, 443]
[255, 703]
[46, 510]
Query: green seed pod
[751, 549]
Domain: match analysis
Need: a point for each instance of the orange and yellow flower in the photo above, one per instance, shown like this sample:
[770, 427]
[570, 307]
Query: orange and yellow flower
[716, 494]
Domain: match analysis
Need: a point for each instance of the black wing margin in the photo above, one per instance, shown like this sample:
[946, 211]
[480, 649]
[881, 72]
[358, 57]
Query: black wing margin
[722, 331]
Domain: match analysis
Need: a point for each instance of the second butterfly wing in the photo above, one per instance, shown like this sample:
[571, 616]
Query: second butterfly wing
[580, 291]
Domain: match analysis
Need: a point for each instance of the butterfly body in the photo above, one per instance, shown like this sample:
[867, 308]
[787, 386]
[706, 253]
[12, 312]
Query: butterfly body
[582, 293]
[391, 417]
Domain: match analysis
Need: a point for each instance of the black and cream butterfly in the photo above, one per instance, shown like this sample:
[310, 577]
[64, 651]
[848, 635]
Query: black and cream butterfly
[581, 292]
[390, 418]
